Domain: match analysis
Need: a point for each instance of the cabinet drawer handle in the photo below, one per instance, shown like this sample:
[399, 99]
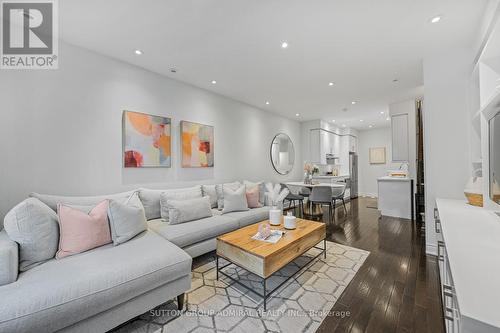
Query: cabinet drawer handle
[449, 318]
[447, 287]
[437, 223]
[448, 314]
[436, 213]
[440, 253]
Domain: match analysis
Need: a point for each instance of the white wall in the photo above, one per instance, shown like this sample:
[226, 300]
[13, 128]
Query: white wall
[61, 129]
[368, 173]
[446, 131]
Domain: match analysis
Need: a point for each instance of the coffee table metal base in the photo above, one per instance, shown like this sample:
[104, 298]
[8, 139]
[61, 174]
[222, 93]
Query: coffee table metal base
[267, 293]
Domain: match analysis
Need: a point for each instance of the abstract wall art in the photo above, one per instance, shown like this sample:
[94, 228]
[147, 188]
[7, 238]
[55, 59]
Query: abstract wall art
[197, 142]
[146, 140]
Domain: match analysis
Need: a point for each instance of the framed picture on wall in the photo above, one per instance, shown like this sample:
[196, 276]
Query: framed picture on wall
[377, 155]
[197, 144]
[146, 140]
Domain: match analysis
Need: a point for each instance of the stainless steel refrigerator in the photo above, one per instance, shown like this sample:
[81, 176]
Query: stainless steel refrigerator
[353, 171]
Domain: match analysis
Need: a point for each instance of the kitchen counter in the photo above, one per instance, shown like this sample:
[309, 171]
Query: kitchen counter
[330, 177]
[395, 197]
[394, 179]
[301, 184]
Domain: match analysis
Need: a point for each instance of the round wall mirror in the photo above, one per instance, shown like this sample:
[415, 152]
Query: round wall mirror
[282, 154]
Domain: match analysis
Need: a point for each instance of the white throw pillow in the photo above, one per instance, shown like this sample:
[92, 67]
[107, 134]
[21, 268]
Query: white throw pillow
[220, 193]
[211, 192]
[126, 219]
[181, 211]
[33, 225]
[234, 200]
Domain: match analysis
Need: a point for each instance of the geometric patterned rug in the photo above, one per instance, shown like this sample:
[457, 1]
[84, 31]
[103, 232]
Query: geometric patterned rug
[300, 305]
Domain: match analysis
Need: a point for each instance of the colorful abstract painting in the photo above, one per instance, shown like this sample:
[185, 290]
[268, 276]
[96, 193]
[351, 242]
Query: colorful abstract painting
[146, 140]
[197, 145]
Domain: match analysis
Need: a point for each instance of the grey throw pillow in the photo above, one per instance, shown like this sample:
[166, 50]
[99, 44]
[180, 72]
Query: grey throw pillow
[234, 201]
[181, 211]
[126, 219]
[33, 225]
[220, 192]
[53, 200]
[180, 194]
[151, 199]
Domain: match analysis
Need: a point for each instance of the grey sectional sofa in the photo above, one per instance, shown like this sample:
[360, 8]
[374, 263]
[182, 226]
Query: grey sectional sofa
[100, 289]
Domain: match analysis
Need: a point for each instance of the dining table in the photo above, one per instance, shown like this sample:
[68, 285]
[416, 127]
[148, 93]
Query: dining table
[310, 186]
[314, 210]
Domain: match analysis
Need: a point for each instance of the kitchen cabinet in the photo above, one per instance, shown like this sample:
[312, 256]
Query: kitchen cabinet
[400, 138]
[468, 266]
[353, 144]
[321, 143]
[395, 197]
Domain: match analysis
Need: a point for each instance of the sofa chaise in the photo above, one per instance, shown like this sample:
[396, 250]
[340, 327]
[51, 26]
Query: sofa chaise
[100, 289]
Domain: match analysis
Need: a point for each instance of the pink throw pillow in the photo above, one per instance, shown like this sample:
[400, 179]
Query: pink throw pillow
[80, 232]
[253, 197]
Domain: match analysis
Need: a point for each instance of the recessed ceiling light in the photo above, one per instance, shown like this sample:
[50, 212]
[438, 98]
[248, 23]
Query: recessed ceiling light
[297, 115]
[333, 120]
[343, 125]
[388, 118]
[214, 82]
[382, 112]
[284, 45]
[361, 120]
[330, 84]
[370, 126]
[173, 70]
[267, 103]
[353, 102]
[436, 19]
[138, 52]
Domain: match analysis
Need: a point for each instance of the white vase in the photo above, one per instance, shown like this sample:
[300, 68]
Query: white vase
[275, 216]
[290, 222]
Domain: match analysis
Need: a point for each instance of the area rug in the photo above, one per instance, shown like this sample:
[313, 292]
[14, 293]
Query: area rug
[300, 305]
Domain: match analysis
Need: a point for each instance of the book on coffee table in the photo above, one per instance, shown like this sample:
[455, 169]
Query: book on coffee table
[274, 237]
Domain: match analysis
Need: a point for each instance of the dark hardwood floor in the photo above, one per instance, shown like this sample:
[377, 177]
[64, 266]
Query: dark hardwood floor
[397, 288]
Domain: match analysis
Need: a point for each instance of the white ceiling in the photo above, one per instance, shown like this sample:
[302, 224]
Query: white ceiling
[360, 45]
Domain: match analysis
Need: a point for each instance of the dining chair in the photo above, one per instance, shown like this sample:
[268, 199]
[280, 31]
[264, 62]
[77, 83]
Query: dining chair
[292, 198]
[322, 195]
[338, 194]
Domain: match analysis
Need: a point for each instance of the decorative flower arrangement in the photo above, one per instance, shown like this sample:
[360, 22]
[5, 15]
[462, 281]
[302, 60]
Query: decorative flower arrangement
[310, 171]
[275, 194]
[311, 168]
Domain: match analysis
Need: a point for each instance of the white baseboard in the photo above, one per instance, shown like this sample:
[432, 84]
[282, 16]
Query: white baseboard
[368, 195]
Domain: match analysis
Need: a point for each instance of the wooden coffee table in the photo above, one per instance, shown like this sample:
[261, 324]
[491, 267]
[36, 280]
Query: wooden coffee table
[264, 259]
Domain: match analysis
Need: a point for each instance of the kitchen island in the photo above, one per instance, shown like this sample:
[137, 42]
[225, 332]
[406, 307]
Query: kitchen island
[395, 197]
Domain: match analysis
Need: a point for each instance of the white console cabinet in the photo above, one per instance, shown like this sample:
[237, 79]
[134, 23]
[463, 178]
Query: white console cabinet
[469, 266]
